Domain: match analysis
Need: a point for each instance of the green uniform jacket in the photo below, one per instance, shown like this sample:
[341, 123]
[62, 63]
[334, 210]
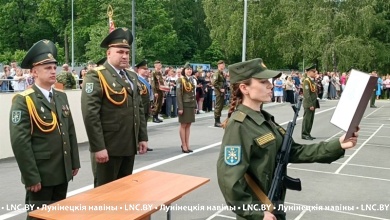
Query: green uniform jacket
[309, 97]
[185, 99]
[145, 98]
[157, 80]
[218, 81]
[117, 128]
[48, 158]
[259, 139]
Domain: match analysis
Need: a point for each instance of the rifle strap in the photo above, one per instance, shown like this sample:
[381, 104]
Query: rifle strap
[259, 193]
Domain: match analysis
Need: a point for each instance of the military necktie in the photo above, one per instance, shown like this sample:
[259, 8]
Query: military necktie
[123, 76]
[51, 98]
[53, 104]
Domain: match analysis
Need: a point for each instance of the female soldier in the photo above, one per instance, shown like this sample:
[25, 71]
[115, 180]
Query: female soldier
[252, 140]
[185, 94]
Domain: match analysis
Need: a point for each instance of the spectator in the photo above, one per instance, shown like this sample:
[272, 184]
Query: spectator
[19, 83]
[343, 81]
[290, 90]
[379, 87]
[6, 85]
[278, 90]
[325, 84]
[14, 66]
[171, 104]
[82, 74]
[199, 90]
[208, 93]
[386, 84]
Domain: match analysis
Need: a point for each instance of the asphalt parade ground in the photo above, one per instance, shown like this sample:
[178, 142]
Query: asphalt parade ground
[354, 187]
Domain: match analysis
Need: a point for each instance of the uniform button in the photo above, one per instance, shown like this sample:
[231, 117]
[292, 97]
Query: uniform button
[63, 133]
[60, 124]
[64, 142]
[65, 152]
[128, 88]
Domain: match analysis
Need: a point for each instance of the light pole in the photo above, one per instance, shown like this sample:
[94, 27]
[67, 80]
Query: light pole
[72, 36]
[244, 30]
[133, 45]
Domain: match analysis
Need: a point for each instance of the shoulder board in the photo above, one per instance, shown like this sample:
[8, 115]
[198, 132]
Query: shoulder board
[239, 116]
[99, 68]
[59, 90]
[27, 92]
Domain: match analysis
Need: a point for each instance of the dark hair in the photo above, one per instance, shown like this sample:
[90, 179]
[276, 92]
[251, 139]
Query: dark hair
[183, 72]
[235, 98]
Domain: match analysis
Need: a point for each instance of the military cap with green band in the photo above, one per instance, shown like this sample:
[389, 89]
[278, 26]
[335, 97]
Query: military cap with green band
[250, 69]
[42, 52]
[101, 61]
[311, 67]
[120, 37]
[143, 63]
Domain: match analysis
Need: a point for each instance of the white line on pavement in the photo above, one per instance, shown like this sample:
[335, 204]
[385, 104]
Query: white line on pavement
[354, 153]
[372, 112]
[342, 174]
[367, 166]
[300, 215]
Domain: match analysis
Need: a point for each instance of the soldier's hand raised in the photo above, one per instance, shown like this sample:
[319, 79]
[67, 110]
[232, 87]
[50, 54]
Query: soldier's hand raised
[101, 156]
[350, 142]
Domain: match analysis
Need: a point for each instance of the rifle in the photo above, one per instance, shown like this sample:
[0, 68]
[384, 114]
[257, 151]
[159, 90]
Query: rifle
[280, 179]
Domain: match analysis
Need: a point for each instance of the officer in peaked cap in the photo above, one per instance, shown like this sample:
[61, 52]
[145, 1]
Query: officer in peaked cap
[120, 37]
[219, 82]
[47, 161]
[157, 80]
[310, 102]
[145, 88]
[42, 52]
[114, 121]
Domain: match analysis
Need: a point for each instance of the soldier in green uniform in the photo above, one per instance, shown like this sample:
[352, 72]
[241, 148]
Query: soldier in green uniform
[186, 102]
[373, 95]
[157, 80]
[219, 82]
[309, 102]
[113, 112]
[43, 135]
[66, 78]
[252, 139]
[145, 88]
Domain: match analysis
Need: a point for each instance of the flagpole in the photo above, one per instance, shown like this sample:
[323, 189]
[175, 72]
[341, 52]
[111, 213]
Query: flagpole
[72, 37]
[244, 30]
[133, 45]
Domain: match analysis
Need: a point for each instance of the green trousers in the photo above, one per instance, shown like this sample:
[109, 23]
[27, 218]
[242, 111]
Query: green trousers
[115, 168]
[307, 122]
[219, 101]
[373, 97]
[158, 103]
[47, 195]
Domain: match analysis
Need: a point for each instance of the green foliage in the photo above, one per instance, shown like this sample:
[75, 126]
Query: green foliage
[335, 34]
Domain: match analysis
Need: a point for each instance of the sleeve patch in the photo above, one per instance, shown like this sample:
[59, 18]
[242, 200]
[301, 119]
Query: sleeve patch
[16, 116]
[232, 155]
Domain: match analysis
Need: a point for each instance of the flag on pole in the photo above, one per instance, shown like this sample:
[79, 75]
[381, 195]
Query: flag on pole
[110, 13]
